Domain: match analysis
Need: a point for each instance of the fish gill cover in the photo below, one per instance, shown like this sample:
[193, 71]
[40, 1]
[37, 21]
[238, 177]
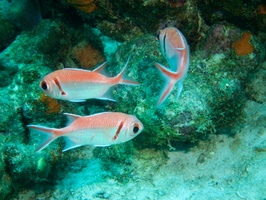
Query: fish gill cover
[220, 86]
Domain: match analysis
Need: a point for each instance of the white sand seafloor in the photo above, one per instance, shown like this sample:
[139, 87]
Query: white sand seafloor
[223, 167]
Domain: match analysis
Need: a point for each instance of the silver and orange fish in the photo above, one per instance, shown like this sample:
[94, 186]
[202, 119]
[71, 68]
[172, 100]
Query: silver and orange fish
[102, 129]
[175, 49]
[77, 85]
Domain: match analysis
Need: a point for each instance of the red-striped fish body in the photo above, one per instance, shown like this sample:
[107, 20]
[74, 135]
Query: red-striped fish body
[78, 85]
[175, 49]
[102, 129]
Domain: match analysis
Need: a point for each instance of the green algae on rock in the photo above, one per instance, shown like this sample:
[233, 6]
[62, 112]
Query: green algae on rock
[255, 88]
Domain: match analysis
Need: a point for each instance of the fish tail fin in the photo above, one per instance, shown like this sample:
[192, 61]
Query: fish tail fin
[171, 78]
[124, 79]
[50, 134]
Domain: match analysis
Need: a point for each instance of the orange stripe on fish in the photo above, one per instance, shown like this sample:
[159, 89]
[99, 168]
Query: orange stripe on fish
[102, 129]
[176, 51]
[118, 130]
[78, 85]
[59, 86]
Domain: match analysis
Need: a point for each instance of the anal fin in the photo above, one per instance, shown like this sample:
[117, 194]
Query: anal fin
[70, 144]
[107, 95]
[78, 100]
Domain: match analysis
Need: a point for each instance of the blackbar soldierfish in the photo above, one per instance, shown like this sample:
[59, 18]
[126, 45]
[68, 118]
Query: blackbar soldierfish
[102, 129]
[175, 49]
[77, 85]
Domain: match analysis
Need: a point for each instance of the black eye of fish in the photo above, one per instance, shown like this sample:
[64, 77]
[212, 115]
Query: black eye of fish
[158, 37]
[164, 37]
[44, 85]
[135, 129]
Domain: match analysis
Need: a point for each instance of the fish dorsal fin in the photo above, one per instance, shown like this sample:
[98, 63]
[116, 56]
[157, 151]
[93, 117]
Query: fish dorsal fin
[71, 117]
[101, 69]
[77, 69]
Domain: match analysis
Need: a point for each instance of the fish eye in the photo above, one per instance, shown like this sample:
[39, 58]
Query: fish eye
[44, 85]
[135, 129]
[158, 37]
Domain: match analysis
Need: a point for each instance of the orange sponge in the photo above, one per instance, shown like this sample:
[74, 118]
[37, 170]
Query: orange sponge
[242, 47]
[87, 55]
[86, 6]
[53, 106]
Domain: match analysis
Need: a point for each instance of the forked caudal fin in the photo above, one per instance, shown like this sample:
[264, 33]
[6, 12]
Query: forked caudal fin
[172, 78]
[52, 133]
[123, 79]
[48, 132]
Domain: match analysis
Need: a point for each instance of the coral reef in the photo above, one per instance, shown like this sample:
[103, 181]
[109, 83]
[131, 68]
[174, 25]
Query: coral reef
[124, 24]
[238, 12]
[256, 89]
[218, 90]
[123, 30]
[223, 36]
[5, 180]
